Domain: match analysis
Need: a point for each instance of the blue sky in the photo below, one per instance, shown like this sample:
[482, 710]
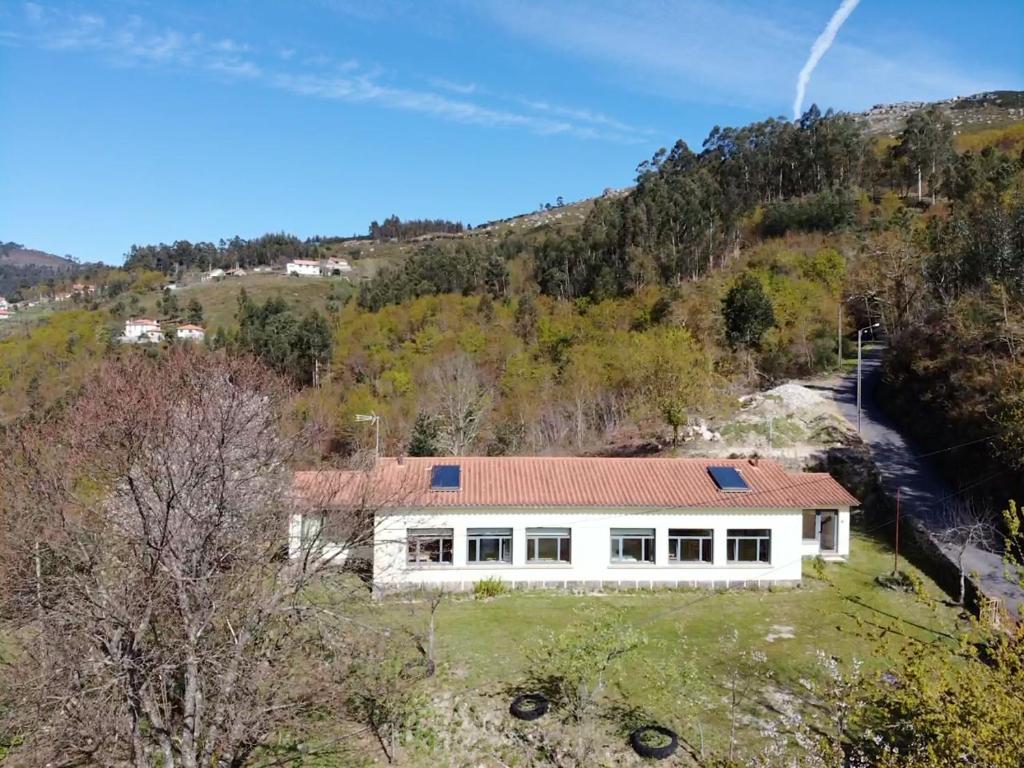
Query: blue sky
[131, 121]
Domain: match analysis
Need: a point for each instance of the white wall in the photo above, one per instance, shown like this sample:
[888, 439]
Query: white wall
[591, 547]
[302, 269]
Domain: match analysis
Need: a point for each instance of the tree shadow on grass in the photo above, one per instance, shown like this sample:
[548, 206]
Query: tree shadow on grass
[899, 619]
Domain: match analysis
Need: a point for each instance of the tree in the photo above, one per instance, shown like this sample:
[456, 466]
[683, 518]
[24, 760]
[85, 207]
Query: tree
[959, 527]
[194, 312]
[169, 303]
[926, 144]
[748, 313]
[141, 535]
[462, 403]
[572, 666]
[426, 434]
[526, 316]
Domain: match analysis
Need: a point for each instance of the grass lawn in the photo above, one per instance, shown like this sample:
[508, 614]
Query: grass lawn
[483, 644]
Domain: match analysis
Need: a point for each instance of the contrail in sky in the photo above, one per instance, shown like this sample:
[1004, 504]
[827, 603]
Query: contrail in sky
[819, 49]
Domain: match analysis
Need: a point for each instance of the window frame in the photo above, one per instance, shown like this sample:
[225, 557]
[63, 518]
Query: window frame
[648, 538]
[535, 535]
[505, 547]
[421, 535]
[308, 522]
[705, 537]
[763, 537]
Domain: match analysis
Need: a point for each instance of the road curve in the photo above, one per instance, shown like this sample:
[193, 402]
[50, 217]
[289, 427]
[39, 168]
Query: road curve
[923, 490]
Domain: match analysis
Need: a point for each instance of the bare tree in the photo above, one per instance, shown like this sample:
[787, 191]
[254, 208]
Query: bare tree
[463, 402]
[143, 548]
[960, 526]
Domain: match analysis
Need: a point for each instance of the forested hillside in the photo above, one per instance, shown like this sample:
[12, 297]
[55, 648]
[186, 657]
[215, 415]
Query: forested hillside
[722, 271]
[21, 268]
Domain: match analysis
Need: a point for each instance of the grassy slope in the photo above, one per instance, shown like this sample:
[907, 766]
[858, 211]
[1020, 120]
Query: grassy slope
[220, 299]
[483, 645]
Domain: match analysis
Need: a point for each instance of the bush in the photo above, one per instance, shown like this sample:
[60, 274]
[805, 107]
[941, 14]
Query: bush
[492, 586]
[815, 213]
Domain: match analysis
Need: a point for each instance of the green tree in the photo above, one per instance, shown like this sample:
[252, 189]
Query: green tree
[748, 313]
[426, 434]
[194, 312]
[926, 145]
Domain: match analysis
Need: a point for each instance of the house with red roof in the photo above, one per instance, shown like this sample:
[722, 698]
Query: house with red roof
[142, 330]
[574, 522]
[190, 332]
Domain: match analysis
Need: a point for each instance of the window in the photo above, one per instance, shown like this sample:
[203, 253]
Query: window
[312, 529]
[691, 545]
[489, 545]
[548, 545]
[810, 525]
[632, 545]
[429, 545]
[749, 545]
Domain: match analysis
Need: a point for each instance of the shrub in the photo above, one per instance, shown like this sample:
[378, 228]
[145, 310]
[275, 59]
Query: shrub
[492, 586]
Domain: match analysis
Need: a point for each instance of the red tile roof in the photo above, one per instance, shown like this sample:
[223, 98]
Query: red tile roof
[528, 481]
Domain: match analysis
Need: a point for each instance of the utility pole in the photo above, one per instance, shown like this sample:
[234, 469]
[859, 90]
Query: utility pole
[860, 335]
[839, 339]
[896, 556]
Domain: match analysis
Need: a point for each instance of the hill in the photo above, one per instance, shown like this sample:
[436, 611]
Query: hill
[28, 266]
[981, 111]
[219, 299]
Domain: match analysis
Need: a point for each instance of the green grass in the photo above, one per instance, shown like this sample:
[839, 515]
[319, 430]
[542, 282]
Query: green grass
[483, 646]
[220, 298]
[485, 641]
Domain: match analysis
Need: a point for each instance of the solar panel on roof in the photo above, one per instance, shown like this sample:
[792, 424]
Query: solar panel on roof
[445, 477]
[728, 479]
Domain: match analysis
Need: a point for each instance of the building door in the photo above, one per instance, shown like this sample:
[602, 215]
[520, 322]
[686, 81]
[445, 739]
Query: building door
[828, 522]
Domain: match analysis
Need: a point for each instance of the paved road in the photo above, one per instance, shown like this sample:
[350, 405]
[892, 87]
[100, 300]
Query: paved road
[923, 491]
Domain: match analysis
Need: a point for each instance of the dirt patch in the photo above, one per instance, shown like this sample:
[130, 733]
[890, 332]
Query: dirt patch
[779, 632]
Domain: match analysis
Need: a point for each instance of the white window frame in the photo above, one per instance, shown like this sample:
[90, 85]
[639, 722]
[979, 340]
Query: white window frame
[418, 536]
[562, 535]
[311, 529]
[475, 535]
[647, 538]
[763, 537]
[706, 537]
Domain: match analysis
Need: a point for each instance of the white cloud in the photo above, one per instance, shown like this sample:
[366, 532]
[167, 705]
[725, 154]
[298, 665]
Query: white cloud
[731, 51]
[450, 85]
[134, 43]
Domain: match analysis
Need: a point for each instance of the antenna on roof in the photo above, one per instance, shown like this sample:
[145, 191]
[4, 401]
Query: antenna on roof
[374, 419]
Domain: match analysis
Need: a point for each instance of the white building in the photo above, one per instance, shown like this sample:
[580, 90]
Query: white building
[305, 267]
[578, 522]
[335, 267]
[190, 332]
[213, 274]
[141, 330]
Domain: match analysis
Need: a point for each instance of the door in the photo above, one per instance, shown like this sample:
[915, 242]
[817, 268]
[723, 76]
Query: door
[827, 534]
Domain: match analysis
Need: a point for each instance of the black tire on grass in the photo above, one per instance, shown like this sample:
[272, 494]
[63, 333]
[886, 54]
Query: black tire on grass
[647, 750]
[529, 706]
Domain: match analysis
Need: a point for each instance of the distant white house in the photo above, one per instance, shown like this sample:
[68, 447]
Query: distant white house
[213, 274]
[190, 332]
[335, 267]
[304, 267]
[141, 330]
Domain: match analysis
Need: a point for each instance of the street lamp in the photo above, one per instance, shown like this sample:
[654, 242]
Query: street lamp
[374, 419]
[860, 334]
